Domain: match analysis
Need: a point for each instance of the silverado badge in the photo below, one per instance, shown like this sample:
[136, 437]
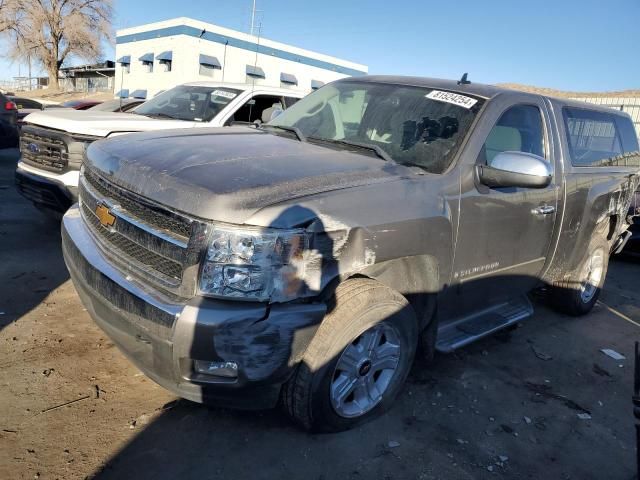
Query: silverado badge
[107, 219]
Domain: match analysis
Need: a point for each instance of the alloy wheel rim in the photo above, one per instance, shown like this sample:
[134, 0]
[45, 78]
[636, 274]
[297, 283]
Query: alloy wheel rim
[592, 276]
[364, 371]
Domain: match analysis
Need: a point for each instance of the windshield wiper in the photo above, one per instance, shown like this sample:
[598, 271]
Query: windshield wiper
[294, 130]
[365, 146]
[160, 115]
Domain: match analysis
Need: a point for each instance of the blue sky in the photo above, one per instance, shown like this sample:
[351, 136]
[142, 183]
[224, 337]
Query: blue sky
[565, 44]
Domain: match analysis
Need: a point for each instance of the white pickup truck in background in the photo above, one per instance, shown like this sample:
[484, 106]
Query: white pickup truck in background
[53, 143]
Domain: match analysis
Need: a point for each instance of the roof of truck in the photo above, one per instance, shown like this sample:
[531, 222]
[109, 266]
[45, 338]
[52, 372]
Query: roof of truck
[477, 89]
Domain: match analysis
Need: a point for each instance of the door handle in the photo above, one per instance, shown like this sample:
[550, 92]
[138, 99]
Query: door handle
[543, 210]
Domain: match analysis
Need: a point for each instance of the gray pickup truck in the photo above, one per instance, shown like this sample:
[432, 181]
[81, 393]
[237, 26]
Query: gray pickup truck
[306, 261]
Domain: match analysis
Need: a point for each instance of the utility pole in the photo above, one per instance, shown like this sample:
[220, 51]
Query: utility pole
[29, 60]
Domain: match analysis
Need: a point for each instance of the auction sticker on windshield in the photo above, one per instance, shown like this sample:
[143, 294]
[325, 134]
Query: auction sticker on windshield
[222, 93]
[454, 98]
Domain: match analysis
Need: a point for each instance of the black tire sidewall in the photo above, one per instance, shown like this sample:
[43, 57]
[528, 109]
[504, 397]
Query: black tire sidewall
[403, 321]
[580, 307]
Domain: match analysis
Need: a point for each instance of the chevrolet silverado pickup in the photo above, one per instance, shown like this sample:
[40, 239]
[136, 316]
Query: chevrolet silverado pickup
[306, 261]
[53, 142]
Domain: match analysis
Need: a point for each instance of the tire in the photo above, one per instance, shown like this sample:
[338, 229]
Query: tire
[364, 310]
[575, 295]
[427, 341]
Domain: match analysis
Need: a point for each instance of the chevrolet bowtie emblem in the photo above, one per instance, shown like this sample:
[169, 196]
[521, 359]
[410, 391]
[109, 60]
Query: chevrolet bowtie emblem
[107, 219]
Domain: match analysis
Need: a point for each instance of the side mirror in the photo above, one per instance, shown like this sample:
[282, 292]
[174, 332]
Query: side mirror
[516, 169]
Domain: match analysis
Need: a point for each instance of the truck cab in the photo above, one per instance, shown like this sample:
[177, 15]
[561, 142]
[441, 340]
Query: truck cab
[53, 143]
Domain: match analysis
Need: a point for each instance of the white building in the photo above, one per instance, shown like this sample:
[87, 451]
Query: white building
[157, 56]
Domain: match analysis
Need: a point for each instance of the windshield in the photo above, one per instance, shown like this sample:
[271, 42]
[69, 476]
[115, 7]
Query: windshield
[412, 125]
[184, 102]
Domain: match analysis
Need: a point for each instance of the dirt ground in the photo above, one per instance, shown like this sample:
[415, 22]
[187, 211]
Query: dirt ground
[507, 406]
[56, 96]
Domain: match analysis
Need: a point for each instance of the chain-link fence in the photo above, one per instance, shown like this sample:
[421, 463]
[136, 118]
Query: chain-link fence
[87, 84]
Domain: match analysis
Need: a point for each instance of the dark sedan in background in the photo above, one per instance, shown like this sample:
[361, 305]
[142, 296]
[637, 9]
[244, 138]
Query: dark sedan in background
[8, 123]
[27, 105]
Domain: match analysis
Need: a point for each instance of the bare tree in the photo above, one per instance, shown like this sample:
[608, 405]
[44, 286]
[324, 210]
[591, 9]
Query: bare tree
[52, 30]
[8, 13]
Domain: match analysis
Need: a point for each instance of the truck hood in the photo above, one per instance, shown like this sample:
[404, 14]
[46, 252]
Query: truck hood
[100, 124]
[228, 174]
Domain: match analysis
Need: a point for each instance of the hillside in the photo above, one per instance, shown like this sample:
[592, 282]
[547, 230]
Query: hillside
[560, 93]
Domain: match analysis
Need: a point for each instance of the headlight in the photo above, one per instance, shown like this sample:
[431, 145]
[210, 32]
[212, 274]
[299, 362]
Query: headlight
[256, 264]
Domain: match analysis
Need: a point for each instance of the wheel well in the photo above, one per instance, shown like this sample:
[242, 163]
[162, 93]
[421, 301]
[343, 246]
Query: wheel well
[423, 303]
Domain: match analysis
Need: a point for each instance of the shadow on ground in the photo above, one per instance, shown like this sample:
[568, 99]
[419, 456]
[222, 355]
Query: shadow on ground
[25, 233]
[508, 404]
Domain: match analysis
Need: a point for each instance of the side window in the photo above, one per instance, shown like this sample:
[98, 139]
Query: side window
[290, 101]
[594, 139]
[253, 109]
[519, 129]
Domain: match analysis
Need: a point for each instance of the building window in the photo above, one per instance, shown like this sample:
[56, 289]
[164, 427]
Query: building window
[208, 65]
[147, 62]
[125, 63]
[165, 59]
[207, 70]
[288, 79]
[254, 72]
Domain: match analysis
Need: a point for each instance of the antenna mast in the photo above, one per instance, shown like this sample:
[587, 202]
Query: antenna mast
[253, 17]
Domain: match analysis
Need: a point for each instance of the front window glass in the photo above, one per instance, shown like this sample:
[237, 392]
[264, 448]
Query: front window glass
[190, 103]
[519, 129]
[412, 125]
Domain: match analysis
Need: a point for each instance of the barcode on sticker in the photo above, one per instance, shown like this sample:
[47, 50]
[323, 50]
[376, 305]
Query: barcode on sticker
[454, 98]
[222, 93]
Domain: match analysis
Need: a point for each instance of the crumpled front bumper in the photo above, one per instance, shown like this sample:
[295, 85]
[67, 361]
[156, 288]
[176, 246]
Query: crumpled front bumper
[163, 336]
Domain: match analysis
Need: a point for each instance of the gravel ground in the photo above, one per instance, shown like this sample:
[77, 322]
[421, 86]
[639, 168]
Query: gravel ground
[508, 406]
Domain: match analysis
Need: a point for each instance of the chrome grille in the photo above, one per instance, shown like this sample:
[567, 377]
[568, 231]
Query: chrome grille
[170, 268]
[144, 238]
[43, 151]
[179, 227]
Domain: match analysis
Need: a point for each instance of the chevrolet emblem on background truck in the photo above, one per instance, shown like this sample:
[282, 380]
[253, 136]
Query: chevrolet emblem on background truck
[107, 219]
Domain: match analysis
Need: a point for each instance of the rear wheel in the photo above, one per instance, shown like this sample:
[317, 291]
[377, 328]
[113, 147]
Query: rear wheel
[578, 293]
[358, 361]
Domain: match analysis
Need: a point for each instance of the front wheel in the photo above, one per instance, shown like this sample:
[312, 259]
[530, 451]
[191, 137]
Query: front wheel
[358, 360]
[578, 293]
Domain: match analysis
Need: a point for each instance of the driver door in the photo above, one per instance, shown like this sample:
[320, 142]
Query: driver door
[504, 234]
